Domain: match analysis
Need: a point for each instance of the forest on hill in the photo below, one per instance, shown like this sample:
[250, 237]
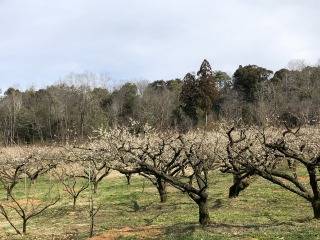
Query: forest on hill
[253, 95]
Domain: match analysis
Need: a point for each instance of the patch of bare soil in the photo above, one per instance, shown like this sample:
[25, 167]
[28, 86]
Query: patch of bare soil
[140, 233]
[25, 202]
[304, 178]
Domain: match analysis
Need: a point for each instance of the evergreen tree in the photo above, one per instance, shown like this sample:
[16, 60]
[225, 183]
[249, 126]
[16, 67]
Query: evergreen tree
[248, 80]
[189, 97]
[199, 92]
[208, 91]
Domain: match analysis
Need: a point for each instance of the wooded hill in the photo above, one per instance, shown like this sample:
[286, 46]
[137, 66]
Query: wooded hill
[253, 96]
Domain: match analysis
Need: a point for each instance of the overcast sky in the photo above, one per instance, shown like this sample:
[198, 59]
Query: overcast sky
[41, 41]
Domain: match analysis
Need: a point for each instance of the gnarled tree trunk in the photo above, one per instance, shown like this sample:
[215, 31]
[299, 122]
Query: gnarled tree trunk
[316, 208]
[239, 184]
[162, 189]
[204, 218]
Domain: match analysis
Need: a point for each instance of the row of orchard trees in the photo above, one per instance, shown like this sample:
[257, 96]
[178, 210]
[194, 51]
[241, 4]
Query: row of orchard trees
[73, 109]
[35, 178]
[183, 160]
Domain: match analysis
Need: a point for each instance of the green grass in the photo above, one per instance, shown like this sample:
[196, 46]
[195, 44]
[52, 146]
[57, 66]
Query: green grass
[263, 211]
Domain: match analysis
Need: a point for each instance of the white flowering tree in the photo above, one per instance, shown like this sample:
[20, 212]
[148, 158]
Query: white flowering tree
[67, 174]
[30, 162]
[241, 176]
[181, 160]
[23, 165]
[86, 163]
[267, 152]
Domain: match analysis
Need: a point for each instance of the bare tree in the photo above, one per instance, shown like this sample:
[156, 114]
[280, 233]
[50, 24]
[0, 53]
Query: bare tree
[28, 206]
[183, 161]
[32, 162]
[93, 210]
[74, 186]
[160, 152]
[241, 177]
[297, 64]
[96, 173]
[263, 155]
[91, 167]
[26, 209]
[10, 175]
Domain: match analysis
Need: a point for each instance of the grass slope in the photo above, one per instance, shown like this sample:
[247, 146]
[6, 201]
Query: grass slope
[263, 211]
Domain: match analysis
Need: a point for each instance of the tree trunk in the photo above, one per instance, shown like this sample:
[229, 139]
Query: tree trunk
[128, 176]
[316, 208]
[206, 118]
[24, 226]
[8, 193]
[162, 189]
[204, 218]
[74, 202]
[91, 226]
[95, 187]
[238, 186]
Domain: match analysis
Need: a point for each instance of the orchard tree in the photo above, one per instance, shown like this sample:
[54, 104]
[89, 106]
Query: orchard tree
[66, 173]
[24, 162]
[16, 164]
[84, 163]
[265, 152]
[241, 177]
[195, 163]
[127, 147]
[181, 160]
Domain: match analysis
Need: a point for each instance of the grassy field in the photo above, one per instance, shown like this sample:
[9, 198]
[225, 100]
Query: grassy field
[263, 211]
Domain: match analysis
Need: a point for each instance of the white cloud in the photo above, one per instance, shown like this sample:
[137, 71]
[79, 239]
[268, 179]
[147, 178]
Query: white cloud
[41, 41]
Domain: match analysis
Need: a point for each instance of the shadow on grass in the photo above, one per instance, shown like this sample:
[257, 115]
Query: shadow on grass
[188, 230]
[255, 226]
[181, 230]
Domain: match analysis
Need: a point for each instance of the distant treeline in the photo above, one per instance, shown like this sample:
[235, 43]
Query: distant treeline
[253, 96]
